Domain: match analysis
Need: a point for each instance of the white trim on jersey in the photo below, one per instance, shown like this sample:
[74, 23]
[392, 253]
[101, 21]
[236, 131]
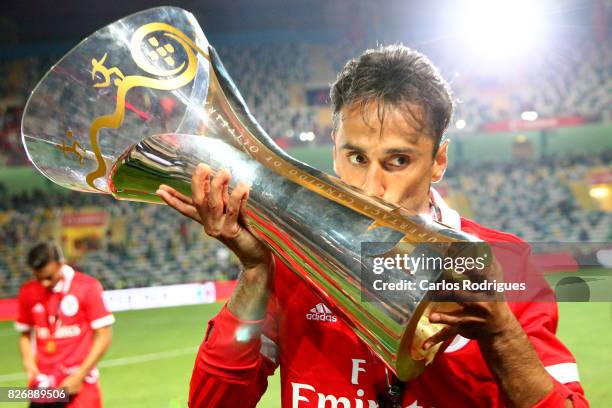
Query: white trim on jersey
[63, 285]
[448, 216]
[564, 372]
[22, 327]
[102, 322]
[269, 349]
[458, 343]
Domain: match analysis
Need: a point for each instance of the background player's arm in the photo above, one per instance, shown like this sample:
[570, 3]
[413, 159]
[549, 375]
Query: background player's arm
[100, 319]
[101, 342]
[24, 325]
[27, 356]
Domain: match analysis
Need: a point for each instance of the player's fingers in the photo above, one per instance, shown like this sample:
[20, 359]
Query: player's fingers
[32, 373]
[170, 200]
[444, 334]
[242, 214]
[216, 208]
[473, 305]
[176, 193]
[459, 311]
[225, 192]
[466, 325]
[186, 209]
[446, 318]
[231, 226]
[200, 186]
[459, 321]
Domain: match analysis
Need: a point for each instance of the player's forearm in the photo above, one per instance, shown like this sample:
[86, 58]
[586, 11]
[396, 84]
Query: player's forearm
[512, 359]
[25, 348]
[250, 298]
[227, 372]
[101, 343]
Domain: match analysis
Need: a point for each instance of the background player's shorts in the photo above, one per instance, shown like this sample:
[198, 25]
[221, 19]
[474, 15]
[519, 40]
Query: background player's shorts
[88, 397]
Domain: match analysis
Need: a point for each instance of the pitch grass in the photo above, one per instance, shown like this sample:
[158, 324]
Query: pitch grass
[150, 361]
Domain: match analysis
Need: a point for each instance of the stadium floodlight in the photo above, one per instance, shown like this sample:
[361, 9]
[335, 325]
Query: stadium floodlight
[307, 136]
[500, 29]
[599, 192]
[460, 124]
[529, 115]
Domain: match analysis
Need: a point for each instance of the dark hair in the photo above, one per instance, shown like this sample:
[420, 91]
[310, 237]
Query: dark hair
[43, 253]
[398, 76]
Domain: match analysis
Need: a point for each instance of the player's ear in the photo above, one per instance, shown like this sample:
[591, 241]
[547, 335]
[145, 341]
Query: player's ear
[440, 162]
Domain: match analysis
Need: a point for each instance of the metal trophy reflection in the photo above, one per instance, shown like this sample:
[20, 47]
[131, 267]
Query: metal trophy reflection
[144, 100]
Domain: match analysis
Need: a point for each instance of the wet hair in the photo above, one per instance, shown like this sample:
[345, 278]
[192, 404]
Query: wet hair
[42, 254]
[399, 77]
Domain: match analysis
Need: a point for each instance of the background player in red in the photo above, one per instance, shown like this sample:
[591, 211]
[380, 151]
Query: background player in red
[63, 311]
[391, 109]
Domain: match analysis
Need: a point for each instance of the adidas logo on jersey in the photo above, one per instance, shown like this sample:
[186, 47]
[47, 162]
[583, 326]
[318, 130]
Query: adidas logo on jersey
[321, 313]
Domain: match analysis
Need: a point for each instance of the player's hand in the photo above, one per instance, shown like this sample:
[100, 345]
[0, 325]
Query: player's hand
[72, 383]
[480, 315]
[223, 215]
[473, 320]
[32, 371]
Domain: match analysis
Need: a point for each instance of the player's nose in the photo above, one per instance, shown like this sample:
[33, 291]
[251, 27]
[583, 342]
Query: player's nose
[374, 181]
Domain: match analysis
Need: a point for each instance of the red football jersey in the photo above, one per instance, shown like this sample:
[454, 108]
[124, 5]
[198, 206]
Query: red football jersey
[324, 364]
[76, 306]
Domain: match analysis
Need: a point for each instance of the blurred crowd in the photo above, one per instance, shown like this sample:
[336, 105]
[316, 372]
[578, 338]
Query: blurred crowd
[534, 199]
[285, 86]
[143, 245]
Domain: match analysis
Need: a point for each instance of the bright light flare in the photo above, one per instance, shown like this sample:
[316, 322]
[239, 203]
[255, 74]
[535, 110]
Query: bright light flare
[307, 136]
[529, 115]
[501, 29]
[599, 192]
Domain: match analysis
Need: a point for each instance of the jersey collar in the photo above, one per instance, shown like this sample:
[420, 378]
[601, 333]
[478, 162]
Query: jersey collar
[63, 285]
[441, 212]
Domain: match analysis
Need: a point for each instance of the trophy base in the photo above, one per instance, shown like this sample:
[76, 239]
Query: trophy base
[412, 358]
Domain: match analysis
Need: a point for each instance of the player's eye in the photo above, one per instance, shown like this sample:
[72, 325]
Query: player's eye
[357, 159]
[398, 162]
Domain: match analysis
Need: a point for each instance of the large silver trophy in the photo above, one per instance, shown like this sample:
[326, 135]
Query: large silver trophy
[142, 101]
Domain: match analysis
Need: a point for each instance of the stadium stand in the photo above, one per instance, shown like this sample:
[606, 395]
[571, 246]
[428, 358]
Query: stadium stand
[157, 247]
[534, 199]
[576, 82]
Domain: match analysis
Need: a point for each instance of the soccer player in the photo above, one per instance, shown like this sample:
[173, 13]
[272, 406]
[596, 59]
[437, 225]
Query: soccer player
[391, 108]
[63, 312]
